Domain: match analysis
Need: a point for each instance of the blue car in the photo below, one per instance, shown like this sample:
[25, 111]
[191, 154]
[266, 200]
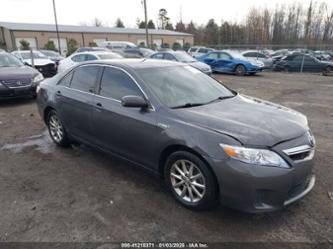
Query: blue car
[231, 62]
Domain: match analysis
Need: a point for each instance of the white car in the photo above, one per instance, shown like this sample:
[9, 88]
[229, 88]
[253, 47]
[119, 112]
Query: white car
[85, 56]
[119, 45]
[44, 65]
[197, 51]
[254, 55]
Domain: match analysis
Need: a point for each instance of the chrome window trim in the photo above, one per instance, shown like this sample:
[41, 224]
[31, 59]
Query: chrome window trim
[151, 107]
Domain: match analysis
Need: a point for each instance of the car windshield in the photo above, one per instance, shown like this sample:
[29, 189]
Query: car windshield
[184, 57]
[7, 60]
[183, 86]
[109, 56]
[36, 55]
[146, 51]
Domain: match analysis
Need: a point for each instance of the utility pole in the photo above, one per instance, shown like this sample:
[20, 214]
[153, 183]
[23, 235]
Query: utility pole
[56, 24]
[146, 22]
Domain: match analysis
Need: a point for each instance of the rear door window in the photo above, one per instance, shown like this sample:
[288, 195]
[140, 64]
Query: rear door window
[90, 57]
[203, 50]
[157, 56]
[213, 56]
[169, 57]
[78, 58]
[66, 81]
[224, 56]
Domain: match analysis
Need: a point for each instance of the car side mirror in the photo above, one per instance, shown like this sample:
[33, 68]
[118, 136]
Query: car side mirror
[134, 101]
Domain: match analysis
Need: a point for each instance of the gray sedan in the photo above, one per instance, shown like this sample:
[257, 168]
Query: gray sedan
[208, 142]
[183, 57]
[257, 56]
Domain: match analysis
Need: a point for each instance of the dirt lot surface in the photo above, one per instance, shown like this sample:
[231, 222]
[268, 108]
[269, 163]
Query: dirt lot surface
[79, 194]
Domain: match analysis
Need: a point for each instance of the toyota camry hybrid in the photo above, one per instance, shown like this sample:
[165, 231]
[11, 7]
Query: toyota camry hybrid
[209, 143]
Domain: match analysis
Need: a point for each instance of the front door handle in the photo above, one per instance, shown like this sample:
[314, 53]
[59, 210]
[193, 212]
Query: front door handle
[58, 94]
[99, 107]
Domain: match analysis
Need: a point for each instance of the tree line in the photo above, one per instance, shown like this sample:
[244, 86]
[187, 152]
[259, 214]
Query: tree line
[293, 24]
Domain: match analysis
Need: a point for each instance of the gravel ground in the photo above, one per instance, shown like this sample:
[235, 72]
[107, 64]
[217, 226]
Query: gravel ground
[80, 194]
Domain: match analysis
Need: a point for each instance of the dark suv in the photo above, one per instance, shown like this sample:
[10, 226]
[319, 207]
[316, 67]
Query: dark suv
[207, 141]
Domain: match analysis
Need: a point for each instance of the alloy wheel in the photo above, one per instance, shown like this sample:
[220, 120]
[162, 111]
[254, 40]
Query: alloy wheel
[56, 128]
[188, 181]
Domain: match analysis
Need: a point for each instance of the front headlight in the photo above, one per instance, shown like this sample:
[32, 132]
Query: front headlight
[260, 157]
[39, 77]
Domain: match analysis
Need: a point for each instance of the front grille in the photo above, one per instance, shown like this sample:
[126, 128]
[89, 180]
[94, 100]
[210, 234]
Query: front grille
[15, 83]
[300, 153]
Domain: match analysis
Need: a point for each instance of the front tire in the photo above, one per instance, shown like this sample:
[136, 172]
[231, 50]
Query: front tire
[190, 181]
[240, 70]
[57, 130]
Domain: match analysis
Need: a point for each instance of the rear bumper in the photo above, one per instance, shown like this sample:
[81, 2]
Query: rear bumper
[257, 189]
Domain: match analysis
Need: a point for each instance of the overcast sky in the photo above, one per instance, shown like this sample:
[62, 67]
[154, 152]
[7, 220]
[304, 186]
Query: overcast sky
[84, 11]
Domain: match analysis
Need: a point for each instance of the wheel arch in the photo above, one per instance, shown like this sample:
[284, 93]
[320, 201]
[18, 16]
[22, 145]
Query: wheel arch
[46, 112]
[240, 64]
[178, 147]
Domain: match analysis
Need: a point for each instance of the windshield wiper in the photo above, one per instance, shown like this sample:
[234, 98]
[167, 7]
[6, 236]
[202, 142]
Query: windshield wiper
[221, 98]
[187, 105]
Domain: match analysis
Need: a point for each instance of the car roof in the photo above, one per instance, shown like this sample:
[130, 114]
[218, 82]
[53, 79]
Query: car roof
[25, 51]
[136, 63]
[94, 52]
[251, 51]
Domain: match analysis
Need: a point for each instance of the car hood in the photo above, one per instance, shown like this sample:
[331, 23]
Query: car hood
[17, 72]
[39, 62]
[200, 65]
[249, 120]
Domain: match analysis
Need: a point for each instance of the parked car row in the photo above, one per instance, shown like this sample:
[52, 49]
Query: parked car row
[297, 62]
[207, 60]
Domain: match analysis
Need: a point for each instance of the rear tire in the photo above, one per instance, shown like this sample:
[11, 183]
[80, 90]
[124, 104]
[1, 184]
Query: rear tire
[240, 70]
[190, 181]
[57, 130]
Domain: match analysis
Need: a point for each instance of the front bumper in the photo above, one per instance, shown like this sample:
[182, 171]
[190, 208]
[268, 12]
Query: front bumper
[254, 70]
[256, 189]
[26, 91]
